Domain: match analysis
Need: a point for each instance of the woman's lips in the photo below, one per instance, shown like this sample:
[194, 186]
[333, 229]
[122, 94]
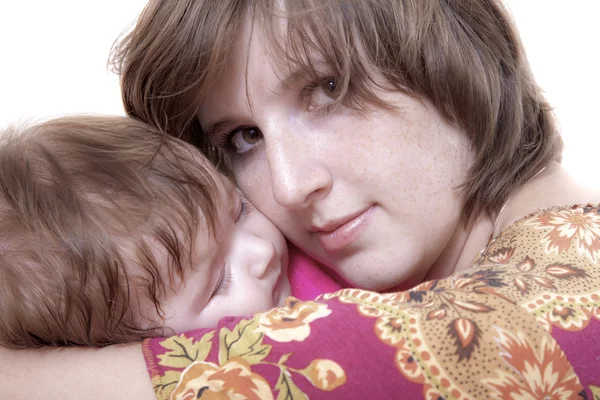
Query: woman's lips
[346, 233]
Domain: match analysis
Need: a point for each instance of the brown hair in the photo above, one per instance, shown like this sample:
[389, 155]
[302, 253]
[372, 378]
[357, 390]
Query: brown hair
[83, 201]
[465, 57]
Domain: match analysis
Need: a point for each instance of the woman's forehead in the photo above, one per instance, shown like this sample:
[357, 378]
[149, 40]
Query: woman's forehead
[249, 66]
[257, 66]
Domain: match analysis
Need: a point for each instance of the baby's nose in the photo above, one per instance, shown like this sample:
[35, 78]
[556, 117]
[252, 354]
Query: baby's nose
[261, 256]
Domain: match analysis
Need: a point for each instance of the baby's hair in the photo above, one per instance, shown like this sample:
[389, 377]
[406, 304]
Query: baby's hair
[84, 201]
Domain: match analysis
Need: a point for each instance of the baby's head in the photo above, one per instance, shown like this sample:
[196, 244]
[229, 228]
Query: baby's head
[111, 232]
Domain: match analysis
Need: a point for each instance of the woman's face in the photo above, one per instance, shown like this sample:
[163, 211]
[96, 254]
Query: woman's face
[372, 195]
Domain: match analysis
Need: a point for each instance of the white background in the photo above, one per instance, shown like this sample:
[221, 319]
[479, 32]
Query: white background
[53, 56]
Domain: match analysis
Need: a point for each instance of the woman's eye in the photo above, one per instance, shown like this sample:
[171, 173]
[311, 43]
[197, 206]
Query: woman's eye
[244, 139]
[322, 95]
[330, 86]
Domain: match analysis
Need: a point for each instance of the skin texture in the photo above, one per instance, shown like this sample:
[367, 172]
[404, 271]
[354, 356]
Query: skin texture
[307, 166]
[116, 372]
[239, 271]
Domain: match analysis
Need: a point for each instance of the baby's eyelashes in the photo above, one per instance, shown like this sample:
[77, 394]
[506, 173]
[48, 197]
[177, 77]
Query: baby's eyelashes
[245, 207]
[224, 282]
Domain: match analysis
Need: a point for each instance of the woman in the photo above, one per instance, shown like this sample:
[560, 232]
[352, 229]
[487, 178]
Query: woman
[392, 141]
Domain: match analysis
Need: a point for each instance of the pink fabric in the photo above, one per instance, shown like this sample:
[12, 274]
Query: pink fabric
[308, 278]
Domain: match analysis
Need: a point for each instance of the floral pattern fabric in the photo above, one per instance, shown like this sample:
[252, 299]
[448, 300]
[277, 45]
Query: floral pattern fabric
[522, 323]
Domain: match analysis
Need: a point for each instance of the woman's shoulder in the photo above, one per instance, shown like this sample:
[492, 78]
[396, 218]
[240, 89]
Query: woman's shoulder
[534, 224]
[555, 248]
[554, 187]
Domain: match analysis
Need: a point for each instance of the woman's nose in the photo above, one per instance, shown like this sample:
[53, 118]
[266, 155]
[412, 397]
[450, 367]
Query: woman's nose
[298, 177]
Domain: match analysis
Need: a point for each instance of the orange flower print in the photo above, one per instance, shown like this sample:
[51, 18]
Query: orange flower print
[533, 374]
[572, 313]
[502, 256]
[569, 318]
[292, 321]
[466, 336]
[390, 330]
[326, 375]
[419, 367]
[407, 364]
[416, 294]
[232, 380]
[571, 227]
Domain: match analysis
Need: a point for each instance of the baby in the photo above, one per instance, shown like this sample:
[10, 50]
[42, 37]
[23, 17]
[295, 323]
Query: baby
[111, 232]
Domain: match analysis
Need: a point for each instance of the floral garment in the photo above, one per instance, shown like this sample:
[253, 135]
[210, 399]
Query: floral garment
[522, 323]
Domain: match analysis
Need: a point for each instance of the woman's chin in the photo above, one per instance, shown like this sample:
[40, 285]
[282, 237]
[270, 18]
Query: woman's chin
[385, 280]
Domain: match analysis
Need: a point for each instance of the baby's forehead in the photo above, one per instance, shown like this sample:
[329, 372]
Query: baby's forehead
[225, 197]
[220, 188]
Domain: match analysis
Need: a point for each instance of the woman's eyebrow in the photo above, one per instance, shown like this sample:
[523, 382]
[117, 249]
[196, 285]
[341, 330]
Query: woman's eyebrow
[292, 80]
[303, 73]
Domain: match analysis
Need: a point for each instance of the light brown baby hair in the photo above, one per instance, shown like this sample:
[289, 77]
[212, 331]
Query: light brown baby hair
[82, 201]
[463, 56]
